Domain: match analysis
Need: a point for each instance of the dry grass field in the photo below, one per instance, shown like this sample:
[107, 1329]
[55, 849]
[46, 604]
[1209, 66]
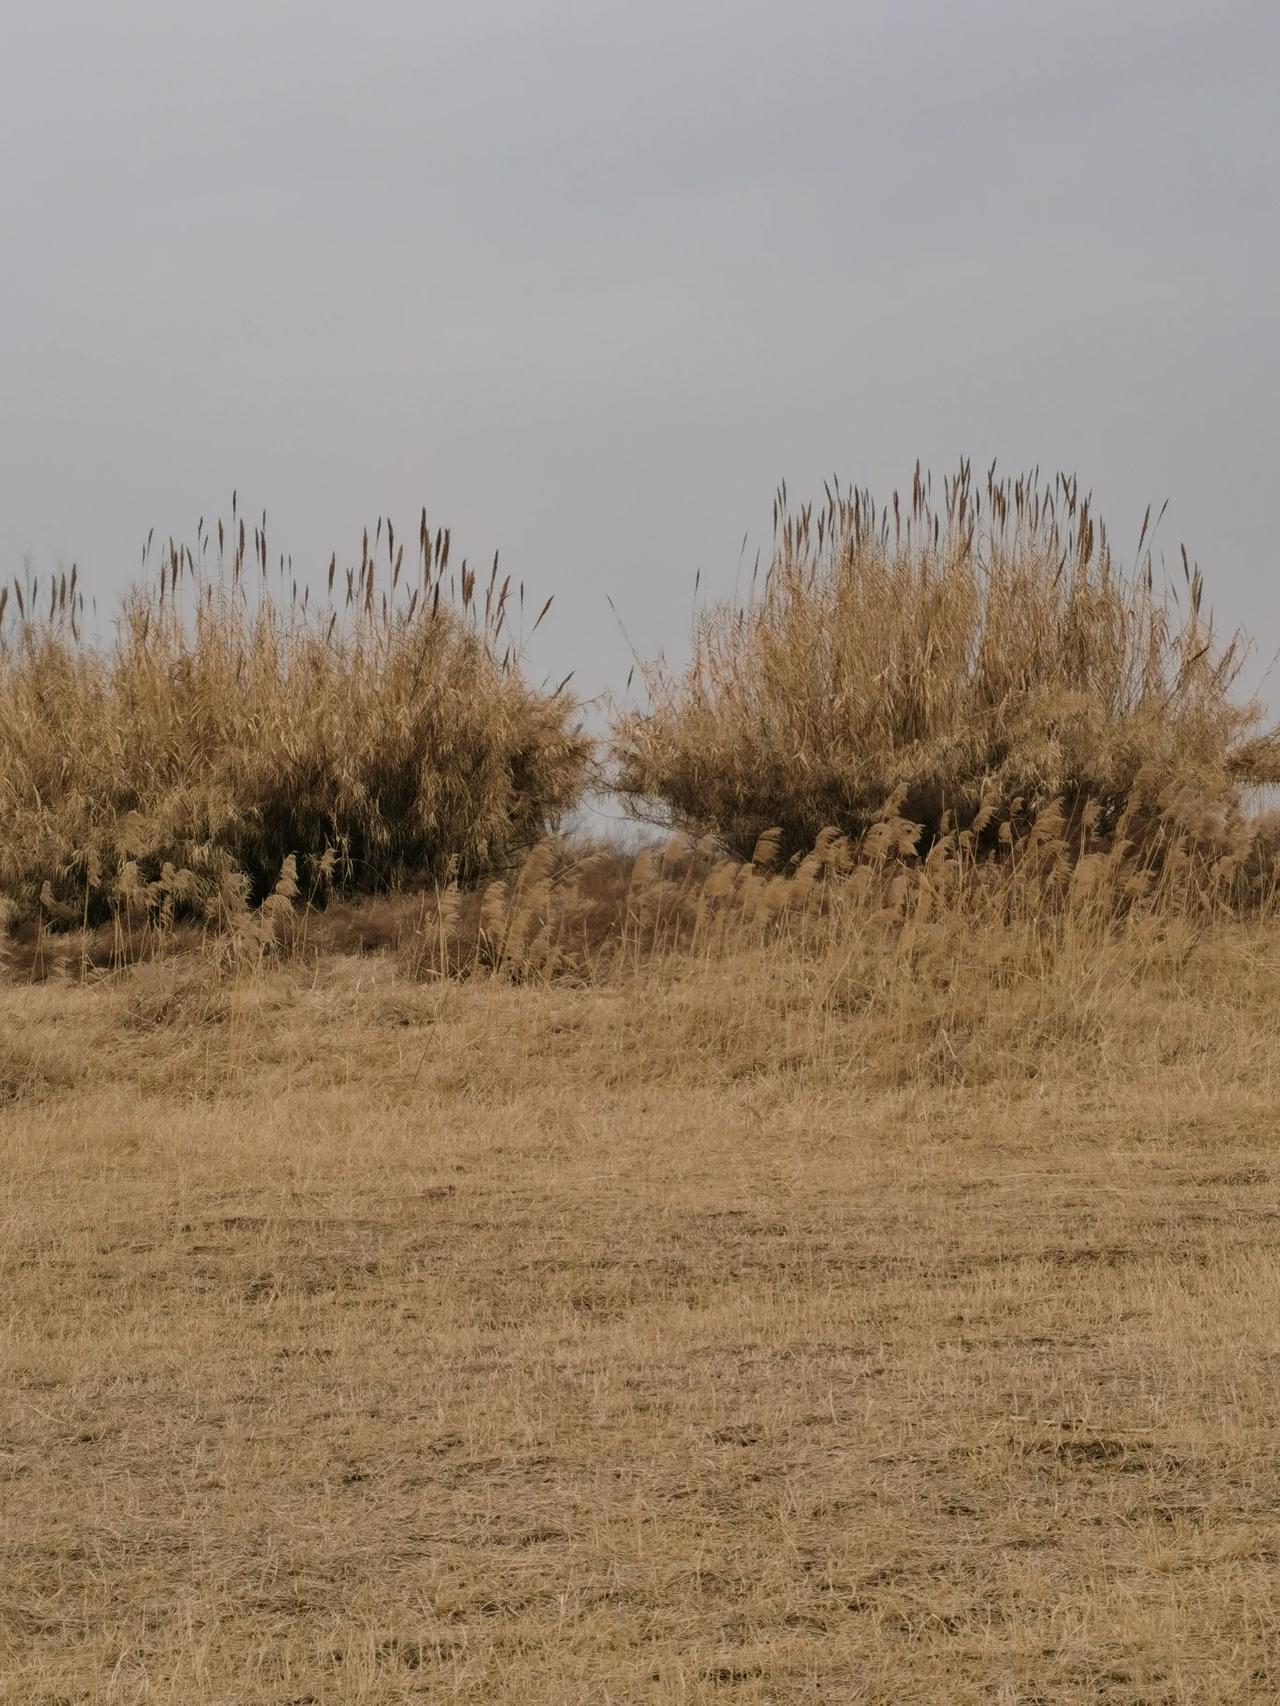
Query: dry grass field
[831, 1257]
[897, 1323]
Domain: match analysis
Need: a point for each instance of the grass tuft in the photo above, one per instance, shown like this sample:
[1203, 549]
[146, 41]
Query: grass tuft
[234, 741]
[979, 654]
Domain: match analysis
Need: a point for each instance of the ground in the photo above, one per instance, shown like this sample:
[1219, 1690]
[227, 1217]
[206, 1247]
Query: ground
[374, 1341]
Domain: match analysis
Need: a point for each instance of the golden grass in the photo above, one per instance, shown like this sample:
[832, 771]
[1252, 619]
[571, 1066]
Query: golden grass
[842, 1271]
[590, 915]
[231, 725]
[981, 651]
[887, 1318]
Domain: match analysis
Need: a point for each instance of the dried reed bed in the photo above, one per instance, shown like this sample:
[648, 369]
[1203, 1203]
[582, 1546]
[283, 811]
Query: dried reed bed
[985, 651]
[998, 899]
[233, 737]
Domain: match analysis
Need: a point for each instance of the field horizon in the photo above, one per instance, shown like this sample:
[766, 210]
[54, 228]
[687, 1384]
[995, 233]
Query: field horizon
[639, 855]
[825, 1253]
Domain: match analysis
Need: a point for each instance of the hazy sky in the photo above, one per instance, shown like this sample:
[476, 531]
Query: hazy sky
[588, 278]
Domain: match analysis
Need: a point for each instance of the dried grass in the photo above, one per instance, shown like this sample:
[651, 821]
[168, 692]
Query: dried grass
[232, 726]
[884, 1313]
[982, 653]
[647, 1276]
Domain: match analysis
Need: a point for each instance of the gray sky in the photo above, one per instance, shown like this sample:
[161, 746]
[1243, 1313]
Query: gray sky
[587, 278]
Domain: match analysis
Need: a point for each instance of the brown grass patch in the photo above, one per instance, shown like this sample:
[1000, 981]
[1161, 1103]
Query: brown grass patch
[885, 1322]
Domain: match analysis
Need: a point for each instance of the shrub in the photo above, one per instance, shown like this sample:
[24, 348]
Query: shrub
[384, 733]
[981, 656]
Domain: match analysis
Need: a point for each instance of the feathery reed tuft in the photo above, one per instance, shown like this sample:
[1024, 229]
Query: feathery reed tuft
[982, 655]
[236, 737]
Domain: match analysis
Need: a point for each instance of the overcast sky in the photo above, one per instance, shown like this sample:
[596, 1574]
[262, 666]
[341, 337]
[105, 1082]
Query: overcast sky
[588, 277]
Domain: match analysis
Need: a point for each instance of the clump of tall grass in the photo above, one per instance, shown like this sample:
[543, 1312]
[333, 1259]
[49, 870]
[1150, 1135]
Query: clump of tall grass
[985, 654]
[231, 725]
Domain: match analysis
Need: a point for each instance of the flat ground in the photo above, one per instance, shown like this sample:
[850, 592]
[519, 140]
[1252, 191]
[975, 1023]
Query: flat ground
[367, 1341]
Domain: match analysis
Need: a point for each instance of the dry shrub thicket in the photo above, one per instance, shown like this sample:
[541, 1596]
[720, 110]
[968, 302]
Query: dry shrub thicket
[960, 712]
[982, 654]
[234, 737]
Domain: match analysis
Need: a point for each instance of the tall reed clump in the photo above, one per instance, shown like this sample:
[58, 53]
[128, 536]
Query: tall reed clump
[985, 653]
[382, 732]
